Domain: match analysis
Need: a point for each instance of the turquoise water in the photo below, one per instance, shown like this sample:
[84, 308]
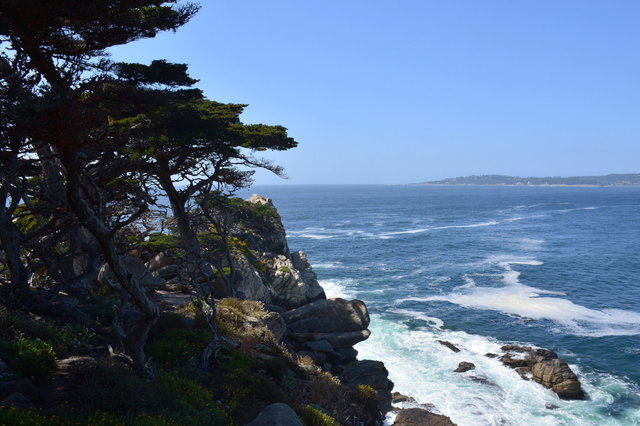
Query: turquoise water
[481, 266]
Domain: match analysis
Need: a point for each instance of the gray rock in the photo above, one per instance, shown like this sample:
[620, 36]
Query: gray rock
[398, 397]
[338, 340]
[465, 366]
[250, 282]
[371, 373]
[167, 272]
[136, 268]
[449, 345]
[17, 401]
[327, 316]
[320, 346]
[275, 324]
[23, 386]
[545, 368]
[277, 414]
[421, 417]
[161, 260]
[259, 199]
[294, 281]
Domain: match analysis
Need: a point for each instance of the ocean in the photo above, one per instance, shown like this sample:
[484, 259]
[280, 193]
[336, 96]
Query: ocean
[552, 267]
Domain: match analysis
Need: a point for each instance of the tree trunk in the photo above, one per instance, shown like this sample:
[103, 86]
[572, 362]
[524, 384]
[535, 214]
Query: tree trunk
[137, 335]
[11, 242]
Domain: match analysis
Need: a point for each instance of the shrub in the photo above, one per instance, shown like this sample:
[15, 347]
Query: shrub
[311, 416]
[366, 393]
[29, 357]
[177, 347]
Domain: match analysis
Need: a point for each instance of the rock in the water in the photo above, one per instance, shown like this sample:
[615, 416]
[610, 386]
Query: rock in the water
[371, 373]
[465, 366]
[556, 375]
[545, 368]
[398, 397]
[328, 316]
[490, 355]
[449, 345]
[421, 417]
[17, 401]
[277, 414]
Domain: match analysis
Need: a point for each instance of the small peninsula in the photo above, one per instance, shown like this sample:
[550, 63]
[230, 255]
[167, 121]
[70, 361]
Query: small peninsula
[620, 179]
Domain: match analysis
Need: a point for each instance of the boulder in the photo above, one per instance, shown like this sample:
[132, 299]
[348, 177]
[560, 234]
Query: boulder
[398, 397]
[23, 386]
[449, 345]
[371, 373]
[556, 375]
[159, 261]
[328, 316]
[275, 324]
[277, 414]
[421, 417]
[465, 366]
[17, 401]
[136, 268]
[544, 367]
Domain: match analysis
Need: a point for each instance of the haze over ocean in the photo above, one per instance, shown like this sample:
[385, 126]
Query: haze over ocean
[482, 266]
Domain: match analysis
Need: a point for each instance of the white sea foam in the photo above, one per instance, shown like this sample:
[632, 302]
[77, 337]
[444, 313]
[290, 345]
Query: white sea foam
[337, 288]
[433, 322]
[473, 225]
[532, 244]
[516, 298]
[491, 394]
[315, 236]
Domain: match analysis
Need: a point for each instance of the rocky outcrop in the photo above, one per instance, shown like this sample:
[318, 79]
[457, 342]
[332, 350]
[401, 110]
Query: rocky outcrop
[544, 367]
[250, 284]
[464, 366]
[277, 414]
[370, 373]
[326, 330]
[293, 280]
[421, 417]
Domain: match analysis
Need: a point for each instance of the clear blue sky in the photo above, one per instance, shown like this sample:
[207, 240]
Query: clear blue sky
[412, 90]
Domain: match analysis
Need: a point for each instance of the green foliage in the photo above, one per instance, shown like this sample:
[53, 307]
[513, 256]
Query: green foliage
[178, 347]
[110, 391]
[312, 416]
[29, 357]
[366, 393]
[63, 337]
[158, 242]
[284, 269]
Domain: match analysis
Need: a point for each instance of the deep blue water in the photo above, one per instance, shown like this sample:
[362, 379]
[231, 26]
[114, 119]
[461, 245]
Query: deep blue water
[553, 267]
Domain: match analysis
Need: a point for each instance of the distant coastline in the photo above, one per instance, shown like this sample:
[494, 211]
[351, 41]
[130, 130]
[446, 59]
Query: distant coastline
[616, 180]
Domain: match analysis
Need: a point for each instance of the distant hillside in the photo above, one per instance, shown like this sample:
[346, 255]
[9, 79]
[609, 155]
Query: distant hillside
[629, 179]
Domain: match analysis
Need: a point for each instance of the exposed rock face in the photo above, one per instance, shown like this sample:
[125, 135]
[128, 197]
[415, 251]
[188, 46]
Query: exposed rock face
[465, 366]
[333, 315]
[398, 397]
[277, 414]
[545, 368]
[374, 374]
[250, 284]
[136, 268]
[294, 281]
[421, 417]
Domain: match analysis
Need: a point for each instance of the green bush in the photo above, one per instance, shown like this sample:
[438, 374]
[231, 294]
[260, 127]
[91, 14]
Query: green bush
[311, 416]
[176, 347]
[29, 357]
